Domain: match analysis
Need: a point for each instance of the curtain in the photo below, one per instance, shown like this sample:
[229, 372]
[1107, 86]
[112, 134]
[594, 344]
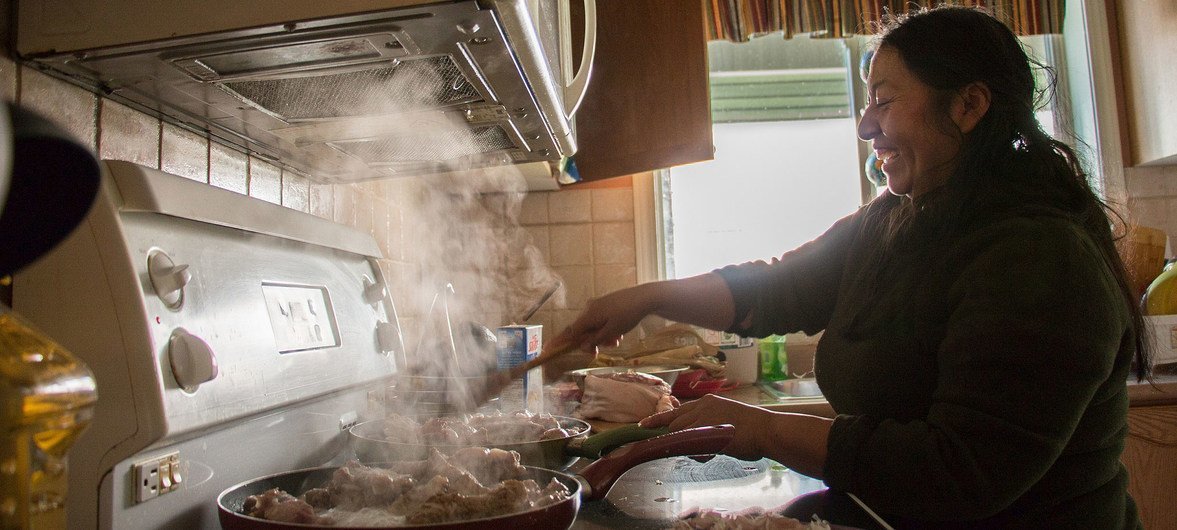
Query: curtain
[739, 20]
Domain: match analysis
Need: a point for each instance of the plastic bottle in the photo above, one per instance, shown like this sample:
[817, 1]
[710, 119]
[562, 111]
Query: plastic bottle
[47, 398]
[1161, 296]
[774, 359]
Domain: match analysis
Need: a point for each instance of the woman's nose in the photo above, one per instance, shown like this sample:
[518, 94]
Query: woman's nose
[868, 127]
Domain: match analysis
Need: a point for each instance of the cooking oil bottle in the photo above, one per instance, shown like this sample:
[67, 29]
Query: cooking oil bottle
[1161, 296]
[47, 398]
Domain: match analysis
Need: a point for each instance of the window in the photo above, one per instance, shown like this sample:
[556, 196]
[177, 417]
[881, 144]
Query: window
[788, 162]
[786, 155]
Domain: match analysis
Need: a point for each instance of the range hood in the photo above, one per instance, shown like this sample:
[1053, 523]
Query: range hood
[342, 90]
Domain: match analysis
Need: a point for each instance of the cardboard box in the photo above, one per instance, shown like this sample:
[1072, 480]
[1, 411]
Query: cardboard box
[1163, 333]
[517, 345]
[723, 339]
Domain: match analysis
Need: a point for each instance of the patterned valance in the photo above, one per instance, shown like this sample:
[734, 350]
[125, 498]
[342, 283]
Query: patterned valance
[739, 20]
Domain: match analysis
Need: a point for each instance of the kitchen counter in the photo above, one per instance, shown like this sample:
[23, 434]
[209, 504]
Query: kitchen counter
[1162, 390]
[626, 506]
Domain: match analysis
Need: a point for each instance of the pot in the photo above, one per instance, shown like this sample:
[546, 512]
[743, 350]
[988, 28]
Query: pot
[592, 483]
[370, 445]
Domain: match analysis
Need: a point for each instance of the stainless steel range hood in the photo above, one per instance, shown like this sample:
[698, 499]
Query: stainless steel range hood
[344, 91]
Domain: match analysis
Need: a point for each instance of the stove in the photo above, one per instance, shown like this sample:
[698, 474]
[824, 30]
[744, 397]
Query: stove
[230, 338]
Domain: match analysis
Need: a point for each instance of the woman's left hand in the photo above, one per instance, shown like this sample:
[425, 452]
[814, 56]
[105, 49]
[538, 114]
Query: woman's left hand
[751, 423]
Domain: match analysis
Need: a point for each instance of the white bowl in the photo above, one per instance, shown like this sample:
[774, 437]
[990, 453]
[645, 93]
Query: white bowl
[798, 387]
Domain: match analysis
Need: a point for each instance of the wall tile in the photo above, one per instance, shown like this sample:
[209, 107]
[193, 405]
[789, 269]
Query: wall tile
[127, 134]
[363, 210]
[570, 206]
[577, 289]
[296, 191]
[612, 204]
[614, 243]
[571, 244]
[380, 225]
[534, 209]
[345, 205]
[609, 278]
[184, 153]
[1150, 211]
[72, 108]
[539, 236]
[7, 79]
[1158, 181]
[396, 232]
[322, 200]
[265, 181]
[228, 168]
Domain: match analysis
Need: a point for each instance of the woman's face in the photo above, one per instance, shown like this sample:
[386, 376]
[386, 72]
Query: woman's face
[916, 142]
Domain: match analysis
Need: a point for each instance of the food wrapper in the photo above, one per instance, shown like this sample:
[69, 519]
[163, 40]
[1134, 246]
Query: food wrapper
[624, 398]
[669, 338]
[691, 355]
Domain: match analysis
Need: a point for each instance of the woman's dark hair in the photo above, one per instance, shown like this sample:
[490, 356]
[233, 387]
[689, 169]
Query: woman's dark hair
[1008, 161]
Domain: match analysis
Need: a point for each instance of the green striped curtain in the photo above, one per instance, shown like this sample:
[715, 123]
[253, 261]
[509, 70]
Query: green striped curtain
[739, 20]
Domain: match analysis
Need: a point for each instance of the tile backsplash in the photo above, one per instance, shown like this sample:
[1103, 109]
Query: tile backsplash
[500, 251]
[1152, 199]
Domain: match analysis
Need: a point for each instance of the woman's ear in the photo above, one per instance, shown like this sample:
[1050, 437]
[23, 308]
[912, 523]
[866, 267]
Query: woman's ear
[970, 105]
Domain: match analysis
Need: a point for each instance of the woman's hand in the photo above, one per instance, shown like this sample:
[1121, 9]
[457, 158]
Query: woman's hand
[796, 440]
[751, 422]
[702, 300]
[606, 318]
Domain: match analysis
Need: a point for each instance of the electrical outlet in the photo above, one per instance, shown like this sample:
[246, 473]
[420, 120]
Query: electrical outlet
[156, 477]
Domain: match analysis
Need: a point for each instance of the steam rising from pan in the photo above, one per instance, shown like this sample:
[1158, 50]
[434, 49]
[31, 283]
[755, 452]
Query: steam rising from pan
[456, 233]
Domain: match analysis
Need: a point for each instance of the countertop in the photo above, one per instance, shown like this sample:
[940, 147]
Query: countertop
[607, 514]
[1161, 391]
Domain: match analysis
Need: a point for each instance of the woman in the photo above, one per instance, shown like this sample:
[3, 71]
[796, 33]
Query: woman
[978, 326]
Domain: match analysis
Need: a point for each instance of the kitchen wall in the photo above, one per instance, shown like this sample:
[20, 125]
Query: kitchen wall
[585, 234]
[1152, 198]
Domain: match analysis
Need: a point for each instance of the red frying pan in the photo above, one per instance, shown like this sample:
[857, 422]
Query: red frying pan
[592, 483]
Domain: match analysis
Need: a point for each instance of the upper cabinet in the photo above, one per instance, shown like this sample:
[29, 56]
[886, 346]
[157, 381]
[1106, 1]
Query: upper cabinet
[647, 105]
[1148, 94]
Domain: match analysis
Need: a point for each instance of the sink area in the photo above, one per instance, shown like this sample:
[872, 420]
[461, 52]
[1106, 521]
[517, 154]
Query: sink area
[793, 388]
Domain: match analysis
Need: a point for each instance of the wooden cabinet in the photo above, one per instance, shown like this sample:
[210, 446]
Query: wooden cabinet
[1147, 46]
[647, 105]
[1151, 457]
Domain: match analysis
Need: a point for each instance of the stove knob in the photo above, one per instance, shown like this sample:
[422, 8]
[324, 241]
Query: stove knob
[193, 361]
[374, 292]
[167, 278]
[387, 337]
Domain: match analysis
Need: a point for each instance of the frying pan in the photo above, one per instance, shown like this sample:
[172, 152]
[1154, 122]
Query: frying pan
[591, 483]
[371, 445]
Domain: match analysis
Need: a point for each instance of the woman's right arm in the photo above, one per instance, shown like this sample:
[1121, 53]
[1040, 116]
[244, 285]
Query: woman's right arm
[703, 300]
[795, 292]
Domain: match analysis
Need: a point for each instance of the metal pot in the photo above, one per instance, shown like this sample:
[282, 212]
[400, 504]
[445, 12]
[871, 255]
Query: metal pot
[370, 445]
[592, 483]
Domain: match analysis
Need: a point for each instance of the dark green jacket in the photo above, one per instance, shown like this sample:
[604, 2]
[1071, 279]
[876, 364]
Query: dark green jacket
[979, 375]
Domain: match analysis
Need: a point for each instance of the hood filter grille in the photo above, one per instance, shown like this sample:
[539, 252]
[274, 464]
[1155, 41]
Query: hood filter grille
[404, 86]
[427, 147]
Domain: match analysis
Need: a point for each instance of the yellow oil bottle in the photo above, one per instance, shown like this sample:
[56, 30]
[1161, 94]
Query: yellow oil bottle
[1160, 298]
[47, 398]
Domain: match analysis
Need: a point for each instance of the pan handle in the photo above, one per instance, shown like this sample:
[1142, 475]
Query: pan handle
[598, 477]
[599, 444]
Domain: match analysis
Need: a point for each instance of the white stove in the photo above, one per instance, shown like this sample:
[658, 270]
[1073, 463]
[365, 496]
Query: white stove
[230, 339]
